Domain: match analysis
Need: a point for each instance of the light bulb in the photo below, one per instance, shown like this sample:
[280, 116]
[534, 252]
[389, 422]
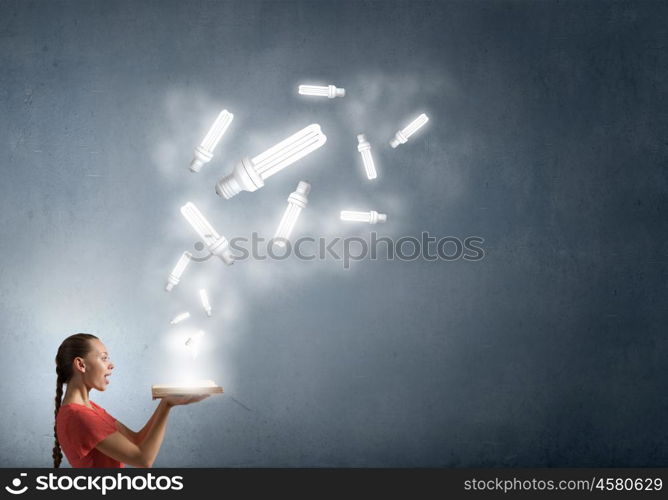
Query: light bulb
[175, 276]
[250, 174]
[193, 343]
[330, 91]
[205, 301]
[204, 152]
[296, 201]
[364, 147]
[217, 245]
[402, 136]
[372, 217]
[181, 317]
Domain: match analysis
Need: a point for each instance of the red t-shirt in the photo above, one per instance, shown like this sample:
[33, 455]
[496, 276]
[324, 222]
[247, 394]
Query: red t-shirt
[80, 429]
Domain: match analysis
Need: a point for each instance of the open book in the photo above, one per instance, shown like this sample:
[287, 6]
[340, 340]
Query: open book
[199, 387]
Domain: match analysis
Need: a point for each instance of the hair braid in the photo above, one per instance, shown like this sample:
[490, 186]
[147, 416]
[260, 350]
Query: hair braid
[74, 346]
[57, 452]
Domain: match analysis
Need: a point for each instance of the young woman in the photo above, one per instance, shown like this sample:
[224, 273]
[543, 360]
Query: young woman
[88, 435]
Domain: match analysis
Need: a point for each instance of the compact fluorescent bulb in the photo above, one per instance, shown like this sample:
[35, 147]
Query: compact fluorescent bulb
[364, 148]
[175, 276]
[330, 91]
[296, 201]
[205, 301]
[250, 174]
[204, 152]
[402, 136]
[217, 245]
[181, 317]
[371, 217]
[193, 343]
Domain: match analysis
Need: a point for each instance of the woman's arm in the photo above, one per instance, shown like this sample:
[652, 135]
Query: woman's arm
[137, 437]
[119, 447]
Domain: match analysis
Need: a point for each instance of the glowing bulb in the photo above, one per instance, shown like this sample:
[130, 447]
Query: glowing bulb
[205, 301]
[296, 201]
[364, 147]
[175, 276]
[371, 217]
[204, 152]
[402, 136]
[250, 174]
[181, 317]
[193, 343]
[217, 245]
[330, 91]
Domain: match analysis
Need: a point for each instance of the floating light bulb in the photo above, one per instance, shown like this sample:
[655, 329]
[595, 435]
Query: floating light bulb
[330, 91]
[181, 317]
[217, 245]
[250, 174]
[402, 136]
[372, 217]
[193, 343]
[205, 301]
[175, 276]
[297, 200]
[364, 147]
[204, 152]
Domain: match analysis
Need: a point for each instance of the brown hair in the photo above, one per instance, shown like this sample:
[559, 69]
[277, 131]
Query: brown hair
[74, 346]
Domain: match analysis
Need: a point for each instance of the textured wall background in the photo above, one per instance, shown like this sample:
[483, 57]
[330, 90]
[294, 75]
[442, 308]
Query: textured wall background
[547, 139]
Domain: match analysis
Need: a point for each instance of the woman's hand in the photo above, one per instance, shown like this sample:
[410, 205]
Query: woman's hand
[184, 400]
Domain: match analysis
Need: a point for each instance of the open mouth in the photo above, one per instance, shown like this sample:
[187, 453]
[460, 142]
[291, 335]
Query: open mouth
[106, 377]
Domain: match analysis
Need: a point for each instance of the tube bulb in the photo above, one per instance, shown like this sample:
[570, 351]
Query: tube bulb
[250, 174]
[371, 217]
[402, 136]
[297, 200]
[204, 152]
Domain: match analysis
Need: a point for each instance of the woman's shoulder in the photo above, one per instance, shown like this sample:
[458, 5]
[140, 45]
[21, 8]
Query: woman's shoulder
[77, 408]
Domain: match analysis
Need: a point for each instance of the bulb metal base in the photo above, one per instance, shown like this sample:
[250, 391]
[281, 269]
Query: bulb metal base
[243, 178]
[202, 156]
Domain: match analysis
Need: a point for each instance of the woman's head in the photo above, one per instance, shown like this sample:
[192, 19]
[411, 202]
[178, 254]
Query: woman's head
[81, 358]
[85, 357]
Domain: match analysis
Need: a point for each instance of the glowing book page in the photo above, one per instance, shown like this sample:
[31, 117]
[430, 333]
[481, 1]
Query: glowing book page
[199, 387]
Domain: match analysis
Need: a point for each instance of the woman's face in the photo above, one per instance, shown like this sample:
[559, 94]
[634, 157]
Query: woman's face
[98, 366]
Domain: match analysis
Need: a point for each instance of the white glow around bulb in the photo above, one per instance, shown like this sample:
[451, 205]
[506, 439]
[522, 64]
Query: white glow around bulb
[205, 301]
[250, 174]
[204, 152]
[194, 343]
[181, 317]
[402, 136]
[217, 245]
[330, 91]
[371, 217]
[175, 276]
[364, 148]
[296, 202]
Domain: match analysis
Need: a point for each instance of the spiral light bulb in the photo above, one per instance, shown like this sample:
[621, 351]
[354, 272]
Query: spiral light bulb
[330, 91]
[297, 200]
[250, 174]
[364, 148]
[175, 276]
[371, 217]
[402, 136]
[204, 152]
[216, 244]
